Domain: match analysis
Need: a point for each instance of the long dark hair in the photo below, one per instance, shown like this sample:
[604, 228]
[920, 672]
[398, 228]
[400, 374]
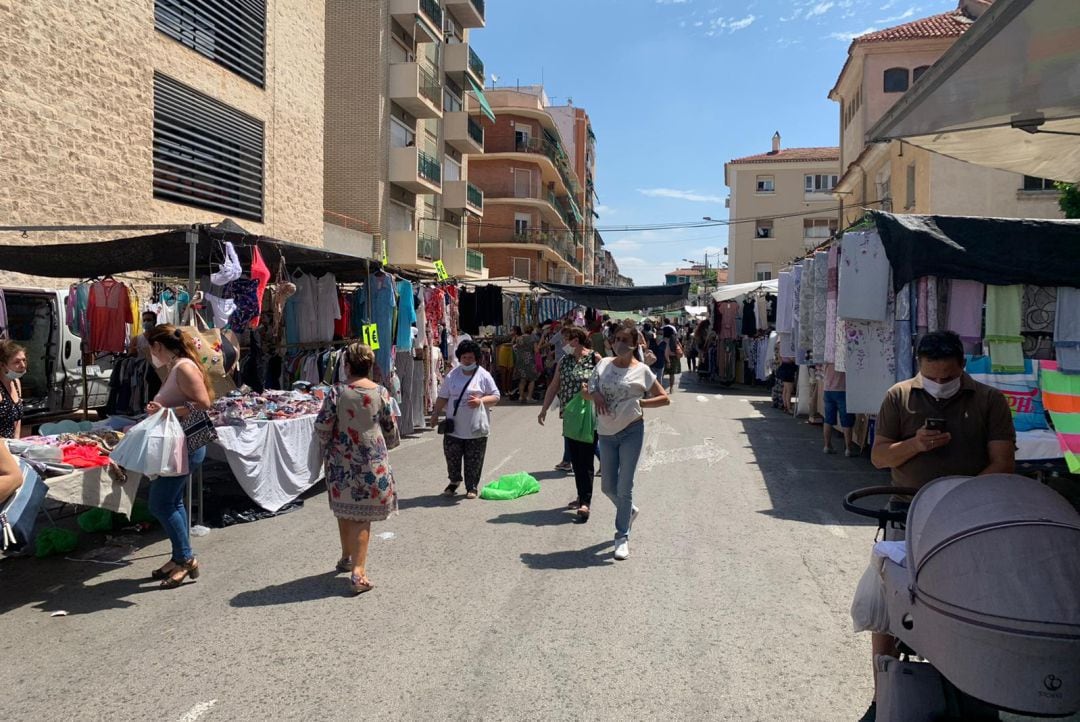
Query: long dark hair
[175, 340]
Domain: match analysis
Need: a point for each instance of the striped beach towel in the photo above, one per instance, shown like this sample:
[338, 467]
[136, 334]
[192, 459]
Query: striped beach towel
[1061, 397]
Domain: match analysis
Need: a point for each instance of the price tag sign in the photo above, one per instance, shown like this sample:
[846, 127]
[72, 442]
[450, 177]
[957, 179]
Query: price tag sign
[440, 270]
[384, 245]
[371, 336]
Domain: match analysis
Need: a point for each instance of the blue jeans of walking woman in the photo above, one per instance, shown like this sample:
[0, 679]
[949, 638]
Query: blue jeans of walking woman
[619, 456]
[167, 505]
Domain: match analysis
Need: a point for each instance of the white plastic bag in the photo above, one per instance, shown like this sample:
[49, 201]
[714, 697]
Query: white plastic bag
[154, 447]
[869, 608]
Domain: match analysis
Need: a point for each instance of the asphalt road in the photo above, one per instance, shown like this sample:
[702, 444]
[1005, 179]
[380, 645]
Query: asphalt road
[733, 605]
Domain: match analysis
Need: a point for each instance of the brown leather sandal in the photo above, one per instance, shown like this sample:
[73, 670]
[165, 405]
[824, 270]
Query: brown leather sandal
[190, 568]
[164, 572]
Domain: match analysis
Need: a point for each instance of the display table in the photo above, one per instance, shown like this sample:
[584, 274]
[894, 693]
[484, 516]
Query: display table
[274, 461]
[94, 487]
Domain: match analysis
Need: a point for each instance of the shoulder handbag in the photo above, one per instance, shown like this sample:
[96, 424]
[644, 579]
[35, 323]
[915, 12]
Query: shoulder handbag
[19, 514]
[387, 424]
[198, 429]
[208, 345]
[446, 426]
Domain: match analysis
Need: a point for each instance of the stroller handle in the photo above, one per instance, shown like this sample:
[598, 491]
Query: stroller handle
[883, 516]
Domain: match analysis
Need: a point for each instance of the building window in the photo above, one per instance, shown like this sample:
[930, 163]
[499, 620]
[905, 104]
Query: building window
[1031, 183]
[206, 154]
[401, 135]
[762, 271]
[910, 186]
[766, 184]
[521, 223]
[896, 80]
[230, 33]
[522, 268]
[763, 229]
[821, 183]
[918, 73]
[818, 228]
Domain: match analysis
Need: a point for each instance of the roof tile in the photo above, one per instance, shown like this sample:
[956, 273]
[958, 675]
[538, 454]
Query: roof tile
[793, 155]
[945, 25]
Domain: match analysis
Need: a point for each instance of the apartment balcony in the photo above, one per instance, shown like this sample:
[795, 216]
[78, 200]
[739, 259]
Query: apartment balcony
[426, 16]
[469, 13]
[464, 263]
[463, 195]
[462, 63]
[464, 133]
[555, 154]
[410, 249]
[416, 89]
[543, 200]
[415, 170]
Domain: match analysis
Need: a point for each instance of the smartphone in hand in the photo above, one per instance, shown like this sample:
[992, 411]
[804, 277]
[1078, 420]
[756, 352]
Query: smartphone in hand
[935, 424]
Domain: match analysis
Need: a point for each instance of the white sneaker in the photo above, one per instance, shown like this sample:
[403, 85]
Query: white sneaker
[633, 515]
[829, 450]
[622, 549]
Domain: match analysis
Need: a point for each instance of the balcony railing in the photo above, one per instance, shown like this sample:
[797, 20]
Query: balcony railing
[428, 248]
[428, 168]
[474, 260]
[430, 87]
[479, 5]
[554, 152]
[474, 196]
[476, 131]
[433, 10]
[476, 65]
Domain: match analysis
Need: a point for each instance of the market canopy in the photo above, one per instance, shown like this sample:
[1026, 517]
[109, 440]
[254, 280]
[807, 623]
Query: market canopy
[168, 253]
[619, 298]
[999, 251]
[1005, 95]
[726, 293]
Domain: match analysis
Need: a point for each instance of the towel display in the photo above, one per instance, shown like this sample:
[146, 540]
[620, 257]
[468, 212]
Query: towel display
[821, 284]
[863, 275]
[1061, 397]
[832, 287]
[1003, 328]
[1021, 390]
[966, 312]
[1067, 329]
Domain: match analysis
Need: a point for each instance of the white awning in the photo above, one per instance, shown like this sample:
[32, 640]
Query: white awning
[726, 293]
[1017, 68]
[696, 310]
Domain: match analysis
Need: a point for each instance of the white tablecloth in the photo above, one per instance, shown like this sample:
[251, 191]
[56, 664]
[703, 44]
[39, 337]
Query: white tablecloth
[274, 461]
[94, 487]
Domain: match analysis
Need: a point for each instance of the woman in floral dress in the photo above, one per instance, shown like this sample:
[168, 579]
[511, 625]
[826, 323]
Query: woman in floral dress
[355, 428]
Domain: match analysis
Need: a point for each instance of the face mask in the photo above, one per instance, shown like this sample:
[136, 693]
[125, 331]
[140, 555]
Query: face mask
[941, 391]
[15, 375]
[621, 348]
[468, 368]
[567, 348]
[157, 362]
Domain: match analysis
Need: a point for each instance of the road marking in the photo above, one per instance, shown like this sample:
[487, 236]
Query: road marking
[659, 427]
[704, 399]
[827, 520]
[502, 463]
[701, 452]
[198, 711]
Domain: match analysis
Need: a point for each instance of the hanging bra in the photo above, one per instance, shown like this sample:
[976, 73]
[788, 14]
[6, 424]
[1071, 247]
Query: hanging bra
[230, 270]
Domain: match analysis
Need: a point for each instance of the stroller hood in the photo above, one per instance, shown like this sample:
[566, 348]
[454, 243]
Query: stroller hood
[1000, 550]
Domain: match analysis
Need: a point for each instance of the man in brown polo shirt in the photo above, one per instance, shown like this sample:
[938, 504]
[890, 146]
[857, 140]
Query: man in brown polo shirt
[940, 423]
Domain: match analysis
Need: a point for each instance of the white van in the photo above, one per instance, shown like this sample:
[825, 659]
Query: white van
[53, 384]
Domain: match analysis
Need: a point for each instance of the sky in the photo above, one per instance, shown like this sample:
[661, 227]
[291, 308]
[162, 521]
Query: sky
[674, 89]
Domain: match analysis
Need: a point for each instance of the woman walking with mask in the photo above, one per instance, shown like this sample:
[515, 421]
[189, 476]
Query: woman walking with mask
[12, 369]
[186, 389]
[618, 387]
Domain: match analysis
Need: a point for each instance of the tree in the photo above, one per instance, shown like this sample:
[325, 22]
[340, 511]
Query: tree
[1070, 199]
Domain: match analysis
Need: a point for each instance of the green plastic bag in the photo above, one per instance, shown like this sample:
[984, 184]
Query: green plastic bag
[510, 486]
[95, 519]
[140, 512]
[579, 421]
[54, 541]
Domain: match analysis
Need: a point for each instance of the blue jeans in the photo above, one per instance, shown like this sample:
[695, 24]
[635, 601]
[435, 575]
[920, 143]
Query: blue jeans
[566, 450]
[619, 456]
[167, 505]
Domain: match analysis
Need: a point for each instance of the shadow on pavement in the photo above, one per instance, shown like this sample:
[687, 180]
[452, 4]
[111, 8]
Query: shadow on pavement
[306, 589]
[598, 555]
[432, 501]
[805, 484]
[539, 517]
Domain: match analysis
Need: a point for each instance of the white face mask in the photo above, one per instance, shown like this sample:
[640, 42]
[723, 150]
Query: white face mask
[941, 391]
[15, 375]
[567, 348]
[468, 368]
[621, 348]
[156, 361]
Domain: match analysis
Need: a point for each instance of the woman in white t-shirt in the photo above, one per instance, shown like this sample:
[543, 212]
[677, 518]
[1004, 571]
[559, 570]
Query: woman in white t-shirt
[618, 387]
[466, 394]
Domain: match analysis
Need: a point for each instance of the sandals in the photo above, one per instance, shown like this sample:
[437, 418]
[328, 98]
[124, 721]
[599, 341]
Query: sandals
[471, 494]
[344, 565]
[360, 584]
[583, 513]
[451, 490]
[190, 568]
[574, 504]
[164, 572]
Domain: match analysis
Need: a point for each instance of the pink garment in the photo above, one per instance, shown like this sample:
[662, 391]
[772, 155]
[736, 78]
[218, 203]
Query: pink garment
[832, 290]
[729, 311]
[966, 309]
[170, 394]
[260, 273]
[109, 311]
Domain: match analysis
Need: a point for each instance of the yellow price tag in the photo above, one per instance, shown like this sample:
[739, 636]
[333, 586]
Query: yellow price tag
[371, 336]
[384, 259]
[440, 270]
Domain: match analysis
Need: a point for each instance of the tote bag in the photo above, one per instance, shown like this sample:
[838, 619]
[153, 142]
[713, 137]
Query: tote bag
[156, 446]
[208, 346]
[579, 422]
[18, 515]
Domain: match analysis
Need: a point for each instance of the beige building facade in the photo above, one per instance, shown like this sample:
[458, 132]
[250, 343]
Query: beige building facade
[401, 79]
[781, 205]
[899, 177]
[117, 112]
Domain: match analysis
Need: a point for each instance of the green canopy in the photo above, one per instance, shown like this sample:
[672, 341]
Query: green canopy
[485, 107]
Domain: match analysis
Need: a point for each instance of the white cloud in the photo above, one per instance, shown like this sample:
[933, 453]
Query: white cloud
[910, 12]
[604, 210]
[680, 195]
[848, 37]
[734, 25]
[888, 5]
[672, 2]
[623, 244]
[820, 9]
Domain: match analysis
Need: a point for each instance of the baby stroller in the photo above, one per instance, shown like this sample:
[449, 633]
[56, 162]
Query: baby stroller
[988, 595]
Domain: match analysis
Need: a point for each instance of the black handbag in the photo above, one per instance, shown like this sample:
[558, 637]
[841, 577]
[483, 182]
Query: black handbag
[198, 428]
[446, 426]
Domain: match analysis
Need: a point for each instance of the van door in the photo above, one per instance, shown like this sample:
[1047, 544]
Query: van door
[33, 322]
[98, 368]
